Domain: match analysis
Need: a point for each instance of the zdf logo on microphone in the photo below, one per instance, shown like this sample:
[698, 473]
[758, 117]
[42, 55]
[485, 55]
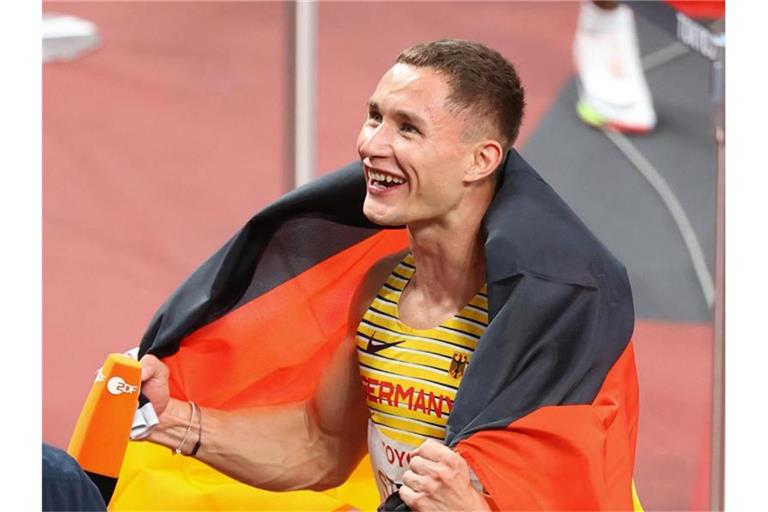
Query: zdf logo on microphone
[117, 386]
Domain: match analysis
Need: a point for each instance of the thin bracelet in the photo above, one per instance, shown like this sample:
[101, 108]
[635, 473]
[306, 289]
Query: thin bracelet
[199, 432]
[186, 432]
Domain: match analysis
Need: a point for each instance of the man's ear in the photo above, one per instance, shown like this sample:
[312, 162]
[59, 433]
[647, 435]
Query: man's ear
[487, 157]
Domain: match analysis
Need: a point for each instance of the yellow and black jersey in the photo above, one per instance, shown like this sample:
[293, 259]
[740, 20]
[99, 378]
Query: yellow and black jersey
[410, 376]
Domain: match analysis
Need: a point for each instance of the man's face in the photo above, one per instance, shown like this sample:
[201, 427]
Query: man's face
[414, 150]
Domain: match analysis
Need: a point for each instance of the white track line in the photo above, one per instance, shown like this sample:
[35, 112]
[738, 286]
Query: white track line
[670, 200]
[664, 55]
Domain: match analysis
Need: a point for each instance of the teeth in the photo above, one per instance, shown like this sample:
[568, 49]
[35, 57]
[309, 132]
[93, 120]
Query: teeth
[388, 178]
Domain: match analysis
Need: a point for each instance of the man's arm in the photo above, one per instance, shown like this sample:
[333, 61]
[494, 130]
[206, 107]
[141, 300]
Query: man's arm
[314, 444]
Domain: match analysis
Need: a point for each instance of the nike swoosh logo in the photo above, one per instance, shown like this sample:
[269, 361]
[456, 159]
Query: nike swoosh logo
[374, 345]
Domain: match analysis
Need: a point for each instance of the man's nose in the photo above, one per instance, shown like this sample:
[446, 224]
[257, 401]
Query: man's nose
[376, 142]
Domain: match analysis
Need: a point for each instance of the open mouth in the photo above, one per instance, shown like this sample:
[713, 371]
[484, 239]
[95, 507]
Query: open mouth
[380, 181]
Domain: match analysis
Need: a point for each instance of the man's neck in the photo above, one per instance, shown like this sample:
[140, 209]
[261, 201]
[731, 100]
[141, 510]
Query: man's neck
[450, 269]
[447, 262]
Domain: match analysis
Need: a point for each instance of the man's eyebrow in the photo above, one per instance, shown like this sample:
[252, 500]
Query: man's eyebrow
[409, 117]
[403, 115]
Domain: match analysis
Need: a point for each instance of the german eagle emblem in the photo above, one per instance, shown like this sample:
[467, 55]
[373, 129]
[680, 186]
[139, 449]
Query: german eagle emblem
[459, 364]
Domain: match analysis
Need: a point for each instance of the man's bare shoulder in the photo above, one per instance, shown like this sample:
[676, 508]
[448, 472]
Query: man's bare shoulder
[372, 283]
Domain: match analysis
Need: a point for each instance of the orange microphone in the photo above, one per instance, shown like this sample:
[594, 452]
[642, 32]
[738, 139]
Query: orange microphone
[101, 433]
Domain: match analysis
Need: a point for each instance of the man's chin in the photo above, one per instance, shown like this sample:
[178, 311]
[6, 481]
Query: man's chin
[381, 218]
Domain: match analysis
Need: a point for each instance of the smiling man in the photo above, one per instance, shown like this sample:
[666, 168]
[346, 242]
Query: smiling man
[494, 353]
[432, 142]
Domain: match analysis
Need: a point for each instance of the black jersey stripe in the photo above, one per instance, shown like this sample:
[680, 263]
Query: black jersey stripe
[408, 363]
[409, 377]
[455, 329]
[404, 278]
[474, 337]
[471, 321]
[426, 339]
[412, 350]
[470, 306]
[377, 407]
[417, 434]
[386, 300]
[384, 313]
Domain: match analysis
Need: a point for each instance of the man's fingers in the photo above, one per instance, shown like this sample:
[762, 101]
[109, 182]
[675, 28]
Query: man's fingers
[151, 367]
[412, 480]
[422, 466]
[409, 496]
[154, 382]
[147, 367]
[432, 450]
[146, 372]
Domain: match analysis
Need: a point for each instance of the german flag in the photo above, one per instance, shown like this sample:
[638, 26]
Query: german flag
[546, 413]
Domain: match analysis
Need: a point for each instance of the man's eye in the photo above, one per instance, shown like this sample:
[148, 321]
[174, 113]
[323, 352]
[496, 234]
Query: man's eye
[374, 116]
[409, 128]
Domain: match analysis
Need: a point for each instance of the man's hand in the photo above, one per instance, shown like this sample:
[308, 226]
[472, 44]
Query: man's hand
[154, 382]
[439, 480]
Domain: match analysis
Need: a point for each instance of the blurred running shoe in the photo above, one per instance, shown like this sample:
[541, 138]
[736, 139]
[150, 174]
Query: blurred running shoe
[613, 92]
[67, 37]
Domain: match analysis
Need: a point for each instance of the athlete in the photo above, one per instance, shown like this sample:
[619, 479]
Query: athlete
[439, 126]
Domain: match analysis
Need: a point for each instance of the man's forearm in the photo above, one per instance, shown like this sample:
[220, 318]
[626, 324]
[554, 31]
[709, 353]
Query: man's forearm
[276, 448]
